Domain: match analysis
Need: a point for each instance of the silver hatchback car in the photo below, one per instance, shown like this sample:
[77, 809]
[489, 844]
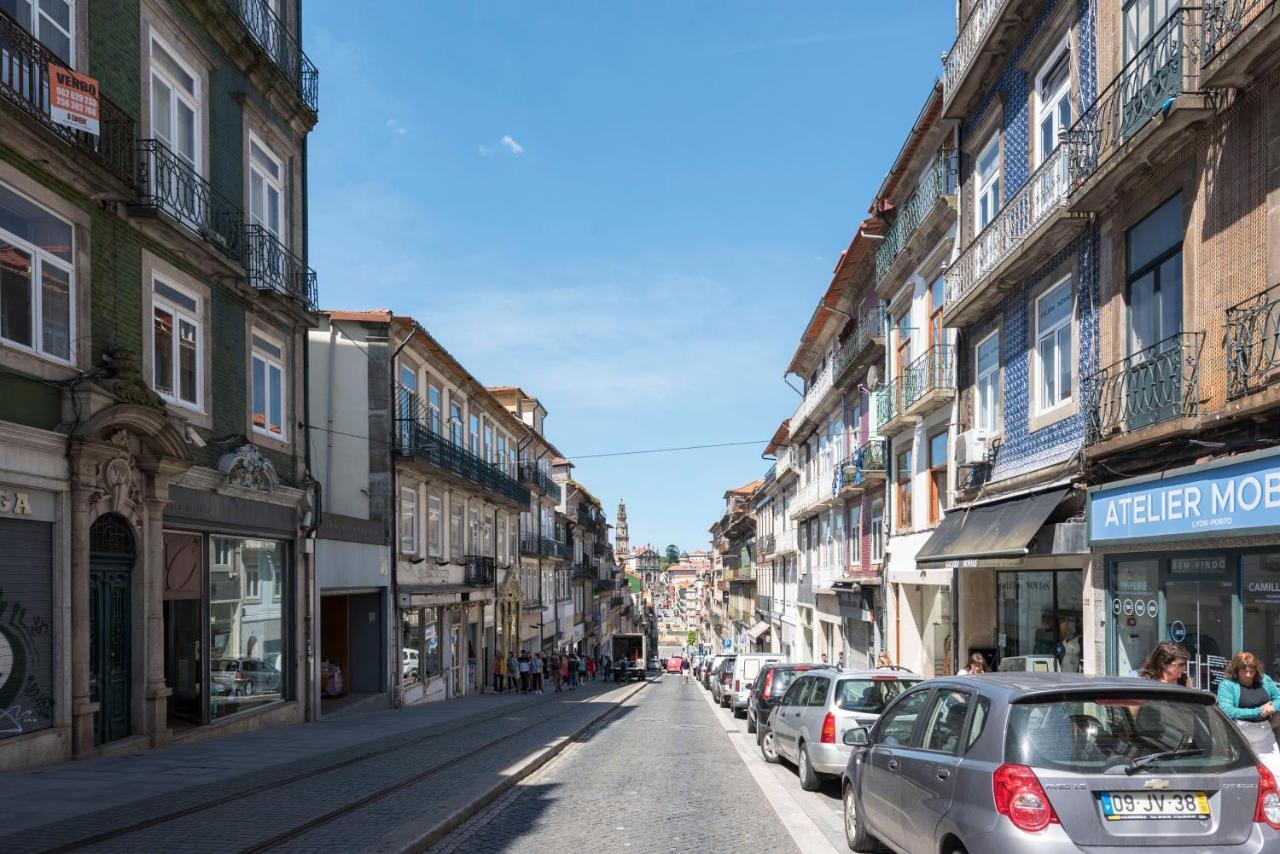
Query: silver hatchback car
[1056, 762]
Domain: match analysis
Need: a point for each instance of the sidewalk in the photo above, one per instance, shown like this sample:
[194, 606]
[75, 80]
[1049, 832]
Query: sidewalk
[58, 804]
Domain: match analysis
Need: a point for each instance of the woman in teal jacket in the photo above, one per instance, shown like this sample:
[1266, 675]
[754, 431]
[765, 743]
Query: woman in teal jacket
[1250, 698]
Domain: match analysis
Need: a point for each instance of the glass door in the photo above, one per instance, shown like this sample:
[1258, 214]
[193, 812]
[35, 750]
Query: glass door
[1199, 603]
[1261, 592]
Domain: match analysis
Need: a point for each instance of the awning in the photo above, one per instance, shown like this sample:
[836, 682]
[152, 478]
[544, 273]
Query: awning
[1002, 530]
[757, 630]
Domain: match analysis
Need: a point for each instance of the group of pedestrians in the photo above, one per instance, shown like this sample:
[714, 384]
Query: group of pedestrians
[527, 673]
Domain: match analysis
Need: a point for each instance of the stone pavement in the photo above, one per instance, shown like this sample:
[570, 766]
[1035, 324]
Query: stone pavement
[273, 780]
[660, 775]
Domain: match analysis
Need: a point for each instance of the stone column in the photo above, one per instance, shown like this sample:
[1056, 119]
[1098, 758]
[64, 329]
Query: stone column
[151, 560]
[82, 708]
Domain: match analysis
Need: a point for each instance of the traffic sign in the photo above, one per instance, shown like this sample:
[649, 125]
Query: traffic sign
[728, 644]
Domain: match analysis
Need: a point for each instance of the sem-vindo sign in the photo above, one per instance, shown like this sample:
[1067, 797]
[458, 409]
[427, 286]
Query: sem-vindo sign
[73, 99]
[1237, 496]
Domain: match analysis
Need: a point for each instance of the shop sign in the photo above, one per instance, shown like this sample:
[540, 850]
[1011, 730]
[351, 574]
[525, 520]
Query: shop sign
[1235, 497]
[73, 99]
[25, 504]
[1262, 592]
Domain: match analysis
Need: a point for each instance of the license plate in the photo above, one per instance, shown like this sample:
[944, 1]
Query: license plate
[1118, 806]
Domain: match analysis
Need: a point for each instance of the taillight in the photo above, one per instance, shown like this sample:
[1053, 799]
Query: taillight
[828, 729]
[737, 686]
[238, 676]
[1020, 796]
[768, 683]
[1268, 808]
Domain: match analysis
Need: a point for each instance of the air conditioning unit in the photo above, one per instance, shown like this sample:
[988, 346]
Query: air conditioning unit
[971, 448]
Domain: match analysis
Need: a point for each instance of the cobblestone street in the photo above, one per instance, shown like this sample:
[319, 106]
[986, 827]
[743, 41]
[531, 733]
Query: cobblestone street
[659, 775]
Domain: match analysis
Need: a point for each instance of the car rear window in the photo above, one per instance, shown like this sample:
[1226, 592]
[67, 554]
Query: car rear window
[868, 695]
[1091, 734]
[781, 681]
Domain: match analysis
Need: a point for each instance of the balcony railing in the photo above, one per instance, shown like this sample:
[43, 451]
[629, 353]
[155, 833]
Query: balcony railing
[584, 572]
[770, 476]
[933, 371]
[586, 515]
[1154, 385]
[889, 402]
[599, 549]
[478, 570]
[813, 396]
[615, 601]
[784, 542]
[272, 267]
[169, 184]
[939, 180]
[1161, 70]
[869, 330]
[531, 474]
[869, 460]
[25, 65]
[530, 544]
[1224, 20]
[414, 436]
[764, 604]
[1044, 193]
[281, 46]
[555, 549]
[1253, 343]
[973, 32]
[603, 585]
[765, 544]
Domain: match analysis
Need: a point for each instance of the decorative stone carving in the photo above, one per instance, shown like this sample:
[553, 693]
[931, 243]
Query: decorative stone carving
[245, 466]
[115, 481]
[125, 380]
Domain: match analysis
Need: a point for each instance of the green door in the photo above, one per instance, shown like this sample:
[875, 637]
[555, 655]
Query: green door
[110, 626]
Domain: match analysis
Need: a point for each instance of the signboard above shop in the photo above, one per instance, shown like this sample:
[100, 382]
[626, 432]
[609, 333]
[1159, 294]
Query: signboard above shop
[1231, 497]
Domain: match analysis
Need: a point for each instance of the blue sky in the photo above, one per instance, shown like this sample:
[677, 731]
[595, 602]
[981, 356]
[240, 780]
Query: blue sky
[629, 209]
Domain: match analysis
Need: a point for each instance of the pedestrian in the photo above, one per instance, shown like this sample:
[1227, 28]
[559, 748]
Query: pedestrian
[1167, 662]
[1250, 698]
[977, 666]
[513, 671]
[536, 668]
[824, 659]
[555, 670]
[564, 670]
[524, 673]
[499, 672]
[840, 662]
[573, 671]
[591, 670]
[883, 660]
[684, 671]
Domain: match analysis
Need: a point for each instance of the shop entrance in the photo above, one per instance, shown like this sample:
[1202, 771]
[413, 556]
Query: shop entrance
[351, 645]
[111, 557]
[1199, 597]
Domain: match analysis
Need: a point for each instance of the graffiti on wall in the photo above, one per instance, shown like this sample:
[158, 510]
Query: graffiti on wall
[26, 697]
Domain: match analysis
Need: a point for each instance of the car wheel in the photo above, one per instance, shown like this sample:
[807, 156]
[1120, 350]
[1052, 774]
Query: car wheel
[248, 689]
[751, 722]
[855, 833]
[809, 780]
[769, 747]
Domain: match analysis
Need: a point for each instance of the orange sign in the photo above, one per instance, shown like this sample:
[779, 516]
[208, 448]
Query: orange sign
[73, 99]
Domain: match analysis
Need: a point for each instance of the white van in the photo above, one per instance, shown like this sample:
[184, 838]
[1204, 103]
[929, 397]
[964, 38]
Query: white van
[745, 671]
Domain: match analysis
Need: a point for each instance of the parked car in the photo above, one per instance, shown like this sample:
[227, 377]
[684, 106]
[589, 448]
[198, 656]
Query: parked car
[674, 664]
[767, 691]
[654, 664]
[409, 662]
[711, 664]
[720, 679]
[808, 725]
[243, 677]
[745, 670]
[1056, 762]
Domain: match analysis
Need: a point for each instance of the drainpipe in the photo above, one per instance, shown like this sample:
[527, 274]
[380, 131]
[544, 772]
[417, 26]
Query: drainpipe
[391, 525]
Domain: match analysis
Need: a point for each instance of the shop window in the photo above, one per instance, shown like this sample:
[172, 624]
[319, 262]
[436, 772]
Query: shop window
[937, 475]
[36, 278]
[1039, 615]
[1261, 593]
[268, 401]
[248, 652]
[435, 525]
[1200, 599]
[1135, 623]
[177, 345]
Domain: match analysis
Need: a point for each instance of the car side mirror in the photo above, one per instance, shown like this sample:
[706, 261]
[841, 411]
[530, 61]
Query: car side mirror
[857, 737]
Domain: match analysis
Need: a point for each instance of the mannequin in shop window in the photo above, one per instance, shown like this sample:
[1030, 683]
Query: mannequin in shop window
[1069, 649]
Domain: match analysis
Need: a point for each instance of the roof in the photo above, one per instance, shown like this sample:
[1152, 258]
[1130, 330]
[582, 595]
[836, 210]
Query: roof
[377, 315]
[779, 439]
[745, 489]
[929, 114]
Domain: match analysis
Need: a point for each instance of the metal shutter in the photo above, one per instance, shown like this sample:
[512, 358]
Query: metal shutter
[26, 626]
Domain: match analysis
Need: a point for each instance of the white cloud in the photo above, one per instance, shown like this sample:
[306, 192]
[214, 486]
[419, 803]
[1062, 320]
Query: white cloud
[507, 142]
[397, 128]
[512, 146]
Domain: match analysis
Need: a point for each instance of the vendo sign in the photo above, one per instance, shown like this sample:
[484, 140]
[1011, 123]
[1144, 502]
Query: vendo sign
[73, 99]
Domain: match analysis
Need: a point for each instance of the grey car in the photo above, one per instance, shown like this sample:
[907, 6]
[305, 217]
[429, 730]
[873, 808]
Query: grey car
[721, 676]
[1056, 762]
[808, 725]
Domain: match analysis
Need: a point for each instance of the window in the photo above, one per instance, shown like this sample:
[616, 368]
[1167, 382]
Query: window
[855, 537]
[904, 491]
[501, 460]
[267, 369]
[252, 583]
[51, 21]
[877, 532]
[818, 694]
[455, 422]
[435, 525]
[433, 408]
[489, 547]
[473, 530]
[513, 536]
[937, 299]
[488, 443]
[897, 725]
[1053, 102]
[455, 528]
[503, 554]
[266, 189]
[408, 520]
[36, 278]
[1053, 346]
[512, 470]
[987, 184]
[937, 475]
[987, 387]
[904, 341]
[247, 641]
[175, 115]
[1142, 18]
[473, 438]
[1154, 264]
[176, 345]
[944, 724]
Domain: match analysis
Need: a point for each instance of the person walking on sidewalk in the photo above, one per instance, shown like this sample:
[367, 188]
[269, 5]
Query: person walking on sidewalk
[536, 670]
[684, 671]
[513, 671]
[499, 672]
[564, 670]
[555, 670]
[524, 673]
[591, 670]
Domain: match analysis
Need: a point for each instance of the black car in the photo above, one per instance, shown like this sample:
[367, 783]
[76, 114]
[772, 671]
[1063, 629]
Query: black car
[767, 691]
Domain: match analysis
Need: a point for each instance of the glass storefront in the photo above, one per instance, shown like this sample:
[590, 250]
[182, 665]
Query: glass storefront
[246, 624]
[1039, 617]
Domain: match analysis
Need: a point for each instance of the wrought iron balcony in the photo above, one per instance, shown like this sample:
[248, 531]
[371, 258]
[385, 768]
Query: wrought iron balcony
[764, 605]
[938, 182]
[770, 476]
[1236, 34]
[584, 572]
[863, 343]
[603, 585]
[1002, 241]
[891, 412]
[972, 42]
[555, 549]
[530, 544]
[867, 465]
[742, 572]
[599, 549]
[531, 474]
[1253, 343]
[1158, 384]
[414, 436]
[766, 544]
[272, 267]
[26, 67]
[169, 185]
[478, 570]
[281, 47]
[930, 380]
[586, 514]
[813, 396]
[1149, 84]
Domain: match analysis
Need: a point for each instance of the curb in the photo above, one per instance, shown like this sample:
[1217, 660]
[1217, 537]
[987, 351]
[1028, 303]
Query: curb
[528, 765]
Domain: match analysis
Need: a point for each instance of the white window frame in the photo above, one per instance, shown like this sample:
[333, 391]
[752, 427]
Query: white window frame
[985, 411]
[988, 185]
[193, 99]
[277, 184]
[877, 532]
[458, 429]
[179, 313]
[503, 556]
[435, 524]
[457, 528]
[40, 258]
[1055, 332]
[435, 408]
[855, 536]
[1047, 106]
[39, 19]
[258, 354]
[409, 517]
